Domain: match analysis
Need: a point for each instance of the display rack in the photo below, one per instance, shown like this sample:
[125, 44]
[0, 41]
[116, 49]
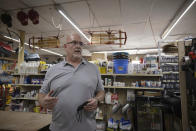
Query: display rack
[170, 69]
[22, 88]
[128, 79]
[6, 68]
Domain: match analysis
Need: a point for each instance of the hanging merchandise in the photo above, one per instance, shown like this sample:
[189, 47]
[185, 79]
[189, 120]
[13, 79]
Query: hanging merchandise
[6, 19]
[22, 17]
[33, 57]
[115, 37]
[114, 98]
[5, 50]
[125, 125]
[33, 16]
[116, 108]
[44, 42]
[125, 108]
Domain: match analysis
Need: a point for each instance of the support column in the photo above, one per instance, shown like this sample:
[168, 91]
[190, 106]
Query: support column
[21, 48]
[183, 92]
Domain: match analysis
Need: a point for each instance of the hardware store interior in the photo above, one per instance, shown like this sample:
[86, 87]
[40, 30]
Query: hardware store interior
[144, 52]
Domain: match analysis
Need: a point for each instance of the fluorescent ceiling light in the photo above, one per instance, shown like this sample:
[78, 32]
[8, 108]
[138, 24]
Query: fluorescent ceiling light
[35, 46]
[49, 51]
[165, 34]
[68, 19]
[11, 38]
[133, 51]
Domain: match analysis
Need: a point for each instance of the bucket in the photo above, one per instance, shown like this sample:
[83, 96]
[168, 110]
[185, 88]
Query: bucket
[120, 66]
[120, 55]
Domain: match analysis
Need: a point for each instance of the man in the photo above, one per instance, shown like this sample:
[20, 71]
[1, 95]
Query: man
[68, 85]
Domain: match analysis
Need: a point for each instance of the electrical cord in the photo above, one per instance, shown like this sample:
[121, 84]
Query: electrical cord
[79, 111]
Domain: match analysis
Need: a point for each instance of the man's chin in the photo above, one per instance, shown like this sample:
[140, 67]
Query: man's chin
[77, 56]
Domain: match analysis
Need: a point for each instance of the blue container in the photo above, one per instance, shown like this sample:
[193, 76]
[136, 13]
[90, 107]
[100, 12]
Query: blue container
[121, 66]
[120, 55]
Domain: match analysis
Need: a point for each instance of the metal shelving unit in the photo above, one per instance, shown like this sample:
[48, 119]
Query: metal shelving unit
[8, 59]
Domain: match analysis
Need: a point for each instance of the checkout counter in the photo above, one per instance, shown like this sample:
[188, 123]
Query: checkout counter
[18, 121]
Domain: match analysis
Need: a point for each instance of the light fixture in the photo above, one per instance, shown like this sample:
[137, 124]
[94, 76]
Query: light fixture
[74, 25]
[35, 46]
[132, 51]
[166, 32]
[11, 38]
[49, 51]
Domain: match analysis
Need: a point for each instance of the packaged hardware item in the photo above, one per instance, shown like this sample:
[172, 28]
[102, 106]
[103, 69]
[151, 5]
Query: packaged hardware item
[125, 125]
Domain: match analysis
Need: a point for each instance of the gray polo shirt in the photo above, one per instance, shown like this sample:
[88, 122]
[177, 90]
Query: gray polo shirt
[72, 86]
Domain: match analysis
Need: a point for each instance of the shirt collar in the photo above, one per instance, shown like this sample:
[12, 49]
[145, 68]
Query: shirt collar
[82, 62]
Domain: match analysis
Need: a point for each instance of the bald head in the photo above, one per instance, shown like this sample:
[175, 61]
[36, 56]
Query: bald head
[73, 37]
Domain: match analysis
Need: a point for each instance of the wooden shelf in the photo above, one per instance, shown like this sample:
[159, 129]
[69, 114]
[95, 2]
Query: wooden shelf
[99, 118]
[136, 88]
[8, 70]
[14, 104]
[31, 85]
[144, 96]
[40, 74]
[6, 58]
[23, 98]
[43, 71]
[150, 75]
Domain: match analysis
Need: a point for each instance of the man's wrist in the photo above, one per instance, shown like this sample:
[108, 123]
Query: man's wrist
[97, 99]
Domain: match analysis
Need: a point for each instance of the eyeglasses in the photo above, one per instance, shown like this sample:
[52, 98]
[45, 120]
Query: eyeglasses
[76, 42]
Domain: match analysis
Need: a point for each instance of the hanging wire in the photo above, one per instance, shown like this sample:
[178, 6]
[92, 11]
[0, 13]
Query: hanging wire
[93, 14]
[121, 14]
[147, 19]
[59, 26]
[153, 32]
[13, 33]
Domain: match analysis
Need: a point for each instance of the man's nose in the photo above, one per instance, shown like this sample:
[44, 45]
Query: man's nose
[77, 45]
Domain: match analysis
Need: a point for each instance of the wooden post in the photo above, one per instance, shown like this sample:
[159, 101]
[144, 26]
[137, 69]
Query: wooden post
[21, 48]
[183, 92]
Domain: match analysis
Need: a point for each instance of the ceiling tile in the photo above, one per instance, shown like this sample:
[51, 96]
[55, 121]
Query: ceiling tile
[9, 5]
[79, 13]
[165, 10]
[135, 10]
[106, 11]
[37, 2]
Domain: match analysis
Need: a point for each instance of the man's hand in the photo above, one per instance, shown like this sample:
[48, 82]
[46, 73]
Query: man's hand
[48, 101]
[92, 104]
